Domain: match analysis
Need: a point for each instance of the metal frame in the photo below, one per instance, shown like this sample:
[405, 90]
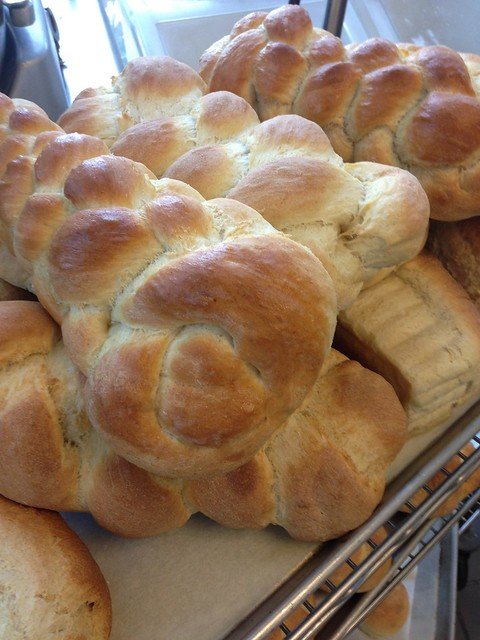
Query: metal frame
[410, 538]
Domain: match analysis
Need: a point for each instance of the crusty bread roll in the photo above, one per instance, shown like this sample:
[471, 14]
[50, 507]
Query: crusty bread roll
[457, 246]
[359, 556]
[471, 484]
[419, 330]
[319, 476]
[50, 586]
[403, 105]
[389, 616]
[358, 219]
[164, 295]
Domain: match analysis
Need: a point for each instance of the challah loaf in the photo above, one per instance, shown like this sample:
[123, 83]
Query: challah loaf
[148, 88]
[457, 246]
[419, 330]
[24, 128]
[319, 476]
[169, 304]
[403, 105]
[358, 219]
[50, 586]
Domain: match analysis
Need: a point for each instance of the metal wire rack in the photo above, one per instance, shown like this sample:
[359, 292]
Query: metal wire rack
[469, 518]
[410, 537]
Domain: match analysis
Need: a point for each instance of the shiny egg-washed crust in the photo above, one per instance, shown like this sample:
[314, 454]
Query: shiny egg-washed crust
[402, 105]
[319, 476]
[146, 88]
[457, 246]
[50, 586]
[168, 304]
[358, 219]
[418, 329]
[24, 129]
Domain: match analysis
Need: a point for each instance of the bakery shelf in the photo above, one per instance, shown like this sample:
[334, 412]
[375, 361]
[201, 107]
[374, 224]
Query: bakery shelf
[411, 535]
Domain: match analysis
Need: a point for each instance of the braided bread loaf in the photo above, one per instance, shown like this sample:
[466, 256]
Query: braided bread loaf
[169, 304]
[319, 476]
[403, 105]
[419, 330]
[358, 219]
[24, 128]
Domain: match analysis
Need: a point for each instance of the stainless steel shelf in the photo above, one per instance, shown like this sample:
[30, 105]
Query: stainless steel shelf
[410, 537]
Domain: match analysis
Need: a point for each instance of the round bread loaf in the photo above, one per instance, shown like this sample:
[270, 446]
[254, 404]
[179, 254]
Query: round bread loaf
[402, 105]
[319, 476]
[389, 616]
[50, 586]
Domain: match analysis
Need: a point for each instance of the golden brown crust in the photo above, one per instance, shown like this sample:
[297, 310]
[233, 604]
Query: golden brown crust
[50, 455]
[398, 327]
[112, 247]
[285, 168]
[131, 502]
[242, 54]
[389, 616]
[50, 586]
[331, 480]
[242, 498]
[200, 368]
[414, 107]
[218, 146]
[106, 112]
[20, 123]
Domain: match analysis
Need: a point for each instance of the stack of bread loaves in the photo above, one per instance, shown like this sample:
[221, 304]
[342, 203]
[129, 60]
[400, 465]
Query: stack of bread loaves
[200, 330]
[312, 197]
[170, 304]
[190, 262]
[358, 219]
